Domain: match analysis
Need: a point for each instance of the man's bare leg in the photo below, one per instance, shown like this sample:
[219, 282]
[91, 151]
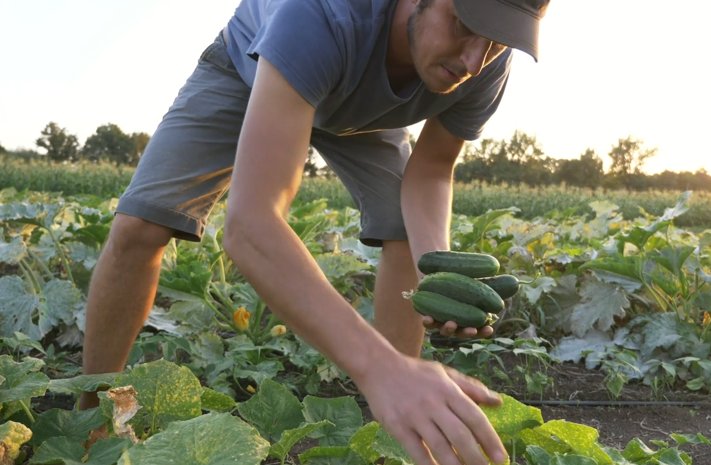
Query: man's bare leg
[121, 295]
[394, 315]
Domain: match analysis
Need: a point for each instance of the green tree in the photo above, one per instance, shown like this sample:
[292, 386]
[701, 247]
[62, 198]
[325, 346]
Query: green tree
[140, 142]
[628, 157]
[2, 149]
[585, 171]
[111, 143]
[60, 145]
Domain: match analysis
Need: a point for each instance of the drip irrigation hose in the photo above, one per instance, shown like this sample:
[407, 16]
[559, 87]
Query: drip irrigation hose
[617, 403]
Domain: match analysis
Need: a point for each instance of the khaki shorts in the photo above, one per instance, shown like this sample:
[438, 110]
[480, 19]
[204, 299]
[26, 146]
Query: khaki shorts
[187, 164]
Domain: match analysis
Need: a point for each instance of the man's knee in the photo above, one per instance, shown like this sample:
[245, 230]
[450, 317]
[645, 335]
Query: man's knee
[130, 232]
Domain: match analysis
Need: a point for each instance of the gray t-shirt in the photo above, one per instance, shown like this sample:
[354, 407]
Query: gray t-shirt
[333, 52]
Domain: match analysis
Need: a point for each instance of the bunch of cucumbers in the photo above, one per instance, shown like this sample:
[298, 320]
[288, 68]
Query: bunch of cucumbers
[463, 287]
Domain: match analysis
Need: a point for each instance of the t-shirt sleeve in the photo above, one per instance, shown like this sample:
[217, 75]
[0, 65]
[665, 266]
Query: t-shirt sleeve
[302, 43]
[467, 118]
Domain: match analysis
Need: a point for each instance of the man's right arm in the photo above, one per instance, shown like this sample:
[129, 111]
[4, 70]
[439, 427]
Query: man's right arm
[430, 409]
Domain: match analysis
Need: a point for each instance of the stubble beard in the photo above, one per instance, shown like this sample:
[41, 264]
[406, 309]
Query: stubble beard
[413, 44]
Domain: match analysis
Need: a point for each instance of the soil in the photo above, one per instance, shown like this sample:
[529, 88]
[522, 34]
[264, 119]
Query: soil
[580, 396]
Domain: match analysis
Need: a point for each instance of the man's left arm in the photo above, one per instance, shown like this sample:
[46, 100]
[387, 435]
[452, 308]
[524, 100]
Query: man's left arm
[426, 197]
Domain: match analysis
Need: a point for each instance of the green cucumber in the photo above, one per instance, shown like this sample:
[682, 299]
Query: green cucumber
[464, 289]
[505, 285]
[443, 309]
[472, 264]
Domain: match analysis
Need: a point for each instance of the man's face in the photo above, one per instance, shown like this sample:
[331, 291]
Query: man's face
[445, 53]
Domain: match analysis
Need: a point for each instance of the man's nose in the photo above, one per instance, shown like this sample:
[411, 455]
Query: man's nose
[474, 54]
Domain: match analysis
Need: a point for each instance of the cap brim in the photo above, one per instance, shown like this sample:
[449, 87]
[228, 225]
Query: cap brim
[500, 22]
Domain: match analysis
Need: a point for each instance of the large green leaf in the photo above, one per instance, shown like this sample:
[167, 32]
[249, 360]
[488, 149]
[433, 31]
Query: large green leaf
[272, 410]
[511, 417]
[672, 258]
[107, 451]
[58, 450]
[331, 455]
[564, 437]
[212, 439]
[600, 304]
[82, 383]
[166, 393]
[216, 401]
[386, 446]
[67, 451]
[38, 214]
[75, 425]
[363, 439]
[59, 303]
[17, 306]
[22, 379]
[343, 412]
[12, 252]
[291, 437]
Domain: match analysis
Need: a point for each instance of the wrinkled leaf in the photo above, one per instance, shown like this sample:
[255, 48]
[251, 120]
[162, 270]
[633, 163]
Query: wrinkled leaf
[600, 304]
[82, 383]
[17, 306]
[272, 410]
[12, 252]
[166, 392]
[331, 455]
[511, 417]
[343, 412]
[58, 450]
[214, 438]
[22, 379]
[386, 446]
[74, 425]
[215, 401]
[291, 437]
[59, 302]
[362, 441]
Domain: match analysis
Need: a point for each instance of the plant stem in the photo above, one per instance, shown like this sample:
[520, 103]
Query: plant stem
[27, 411]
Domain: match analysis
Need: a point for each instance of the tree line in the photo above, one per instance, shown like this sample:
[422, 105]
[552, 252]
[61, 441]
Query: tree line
[521, 161]
[108, 143]
[517, 161]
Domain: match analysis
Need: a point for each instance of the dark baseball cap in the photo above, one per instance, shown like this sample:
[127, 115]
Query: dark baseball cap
[508, 22]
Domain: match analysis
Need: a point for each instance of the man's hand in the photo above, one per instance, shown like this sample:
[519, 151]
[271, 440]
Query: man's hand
[433, 412]
[450, 329]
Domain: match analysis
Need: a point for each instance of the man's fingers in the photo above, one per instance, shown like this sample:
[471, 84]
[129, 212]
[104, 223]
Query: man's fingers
[440, 442]
[462, 439]
[450, 329]
[473, 388]
[413, 445]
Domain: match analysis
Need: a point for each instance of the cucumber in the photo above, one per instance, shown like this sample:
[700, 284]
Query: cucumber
[464, 289]
[472, 264]
[505, 285]
[443, 309]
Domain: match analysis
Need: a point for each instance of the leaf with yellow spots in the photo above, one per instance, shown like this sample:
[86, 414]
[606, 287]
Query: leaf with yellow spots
[214, 438]
[165, 391]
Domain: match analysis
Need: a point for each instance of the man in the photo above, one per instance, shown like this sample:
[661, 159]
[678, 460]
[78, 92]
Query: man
[346, 76]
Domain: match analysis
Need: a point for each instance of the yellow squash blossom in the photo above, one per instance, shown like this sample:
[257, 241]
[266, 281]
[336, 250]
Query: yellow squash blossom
[707, 319]
[241, 318]
[277, 330]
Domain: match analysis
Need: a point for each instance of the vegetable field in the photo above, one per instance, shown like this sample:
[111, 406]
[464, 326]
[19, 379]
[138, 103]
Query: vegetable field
[615, 315]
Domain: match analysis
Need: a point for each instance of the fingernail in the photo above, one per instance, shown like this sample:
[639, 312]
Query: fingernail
[499, 458]
[494, 395]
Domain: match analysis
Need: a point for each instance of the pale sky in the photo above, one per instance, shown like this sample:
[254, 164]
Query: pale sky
[608, 69]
